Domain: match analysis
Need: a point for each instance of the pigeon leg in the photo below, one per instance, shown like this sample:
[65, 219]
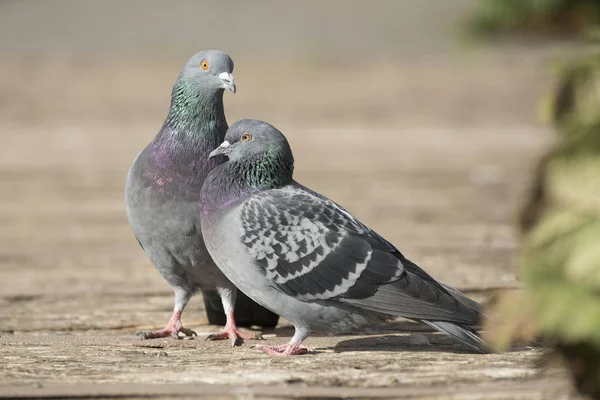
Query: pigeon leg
[292, 348]
[231, 331]
[174, 326]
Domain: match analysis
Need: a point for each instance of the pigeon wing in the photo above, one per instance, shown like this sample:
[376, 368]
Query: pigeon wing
[312, 249]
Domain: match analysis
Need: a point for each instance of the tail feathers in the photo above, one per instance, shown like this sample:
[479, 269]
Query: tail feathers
[457, 294]
[461, 333]
[415, 298]
[460, 296]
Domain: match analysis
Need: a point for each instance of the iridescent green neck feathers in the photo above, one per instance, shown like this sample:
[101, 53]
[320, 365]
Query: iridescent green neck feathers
[195, 110]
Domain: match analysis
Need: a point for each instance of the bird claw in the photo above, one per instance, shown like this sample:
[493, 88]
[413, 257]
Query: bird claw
[187, 332]
[237, 337]
[235, 340]
[144, 335]
[212, 336]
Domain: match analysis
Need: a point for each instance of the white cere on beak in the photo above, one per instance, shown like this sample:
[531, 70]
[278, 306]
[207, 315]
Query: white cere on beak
[226, 77]
[228, 82]
[225, 145]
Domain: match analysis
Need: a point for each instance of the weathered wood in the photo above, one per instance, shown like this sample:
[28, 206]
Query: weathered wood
[75, 286]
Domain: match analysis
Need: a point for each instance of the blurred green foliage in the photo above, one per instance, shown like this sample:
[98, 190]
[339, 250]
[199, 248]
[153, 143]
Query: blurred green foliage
[535, 17]
[560, 257]
[560, 222]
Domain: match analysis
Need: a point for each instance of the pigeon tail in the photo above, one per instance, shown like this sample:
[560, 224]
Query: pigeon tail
[457, 294]
[419, 297]
[462, 333]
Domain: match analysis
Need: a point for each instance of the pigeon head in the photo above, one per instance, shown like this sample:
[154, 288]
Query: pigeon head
[197, 97]
[210, 69]
[260, 151]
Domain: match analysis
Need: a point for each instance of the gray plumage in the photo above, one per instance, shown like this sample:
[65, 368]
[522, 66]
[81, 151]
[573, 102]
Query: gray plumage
[163, 188]
[304, 257]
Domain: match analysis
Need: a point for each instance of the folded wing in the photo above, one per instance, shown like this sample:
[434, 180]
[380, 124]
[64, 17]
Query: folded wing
[312, 249]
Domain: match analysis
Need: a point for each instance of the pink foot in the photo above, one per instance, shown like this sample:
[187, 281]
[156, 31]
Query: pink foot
[236, 336]
[290, 349]
[232, 332]
[172, 329]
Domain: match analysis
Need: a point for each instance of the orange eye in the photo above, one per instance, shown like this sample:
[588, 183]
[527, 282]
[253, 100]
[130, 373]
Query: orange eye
[204, 64]
[245, 137]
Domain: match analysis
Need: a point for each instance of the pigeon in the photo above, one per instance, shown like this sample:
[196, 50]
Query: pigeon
[163, 189]
[306, 258]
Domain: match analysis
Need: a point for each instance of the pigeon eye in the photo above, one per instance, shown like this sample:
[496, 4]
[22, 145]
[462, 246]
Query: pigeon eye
[204, 65]
[245, 137]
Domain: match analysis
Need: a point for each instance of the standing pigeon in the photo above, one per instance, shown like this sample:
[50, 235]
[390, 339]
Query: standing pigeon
[304, 257]
[163, 189]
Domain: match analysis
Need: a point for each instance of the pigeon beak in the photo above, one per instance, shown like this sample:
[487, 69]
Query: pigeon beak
[223, 149]
[228, 82]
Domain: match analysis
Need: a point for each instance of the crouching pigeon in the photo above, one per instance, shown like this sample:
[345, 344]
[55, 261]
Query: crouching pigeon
[163, 189]
[304, 257]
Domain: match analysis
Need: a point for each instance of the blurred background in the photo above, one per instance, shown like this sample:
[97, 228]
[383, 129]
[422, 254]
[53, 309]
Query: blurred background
[385, 113]
[393, 108]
